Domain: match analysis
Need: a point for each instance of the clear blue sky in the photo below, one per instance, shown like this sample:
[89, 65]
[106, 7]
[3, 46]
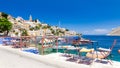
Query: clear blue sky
[83, 16]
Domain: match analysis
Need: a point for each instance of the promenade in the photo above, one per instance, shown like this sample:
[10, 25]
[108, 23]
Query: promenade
[11, 60]
[15, 58]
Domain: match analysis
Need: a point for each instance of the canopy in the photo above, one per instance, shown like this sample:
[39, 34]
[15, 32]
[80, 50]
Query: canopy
[104, 49]
[86, 50]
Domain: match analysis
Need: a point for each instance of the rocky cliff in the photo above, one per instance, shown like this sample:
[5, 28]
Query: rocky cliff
[115, 32]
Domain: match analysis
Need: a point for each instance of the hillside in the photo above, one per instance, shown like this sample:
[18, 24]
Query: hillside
[115, 32]
[22, 27]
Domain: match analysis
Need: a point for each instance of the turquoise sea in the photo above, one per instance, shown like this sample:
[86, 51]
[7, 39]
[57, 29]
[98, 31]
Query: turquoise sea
[102, 41]
[106, 42]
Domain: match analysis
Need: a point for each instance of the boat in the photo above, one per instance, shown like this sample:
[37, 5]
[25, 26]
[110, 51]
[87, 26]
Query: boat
[85, 41]
[80, 41]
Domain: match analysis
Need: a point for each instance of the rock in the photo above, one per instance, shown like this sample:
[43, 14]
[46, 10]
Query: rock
[115, 32]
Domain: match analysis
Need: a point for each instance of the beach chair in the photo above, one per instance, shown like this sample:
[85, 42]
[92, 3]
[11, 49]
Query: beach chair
[102, 53]
[16, 44]
[80, 59]
[7, 41]
[85, 60]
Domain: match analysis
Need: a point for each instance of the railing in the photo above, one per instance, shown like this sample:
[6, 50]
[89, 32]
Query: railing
[42, 44]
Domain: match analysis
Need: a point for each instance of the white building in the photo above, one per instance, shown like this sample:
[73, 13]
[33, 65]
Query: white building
[44, 24]
[69, 33]
[45, 32]
[30, 23]
[54, 27]
[62, 29]
[19, 19]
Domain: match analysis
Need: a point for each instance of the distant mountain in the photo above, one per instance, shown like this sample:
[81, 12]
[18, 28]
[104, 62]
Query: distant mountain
[115, 32]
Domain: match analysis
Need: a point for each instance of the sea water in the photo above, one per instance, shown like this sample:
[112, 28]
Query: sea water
[103, 41]
[106, 42]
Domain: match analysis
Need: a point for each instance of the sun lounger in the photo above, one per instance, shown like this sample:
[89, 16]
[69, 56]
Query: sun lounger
[102, 53]
[85, 60]
[104, 49]
[7, 41]
[80, 59]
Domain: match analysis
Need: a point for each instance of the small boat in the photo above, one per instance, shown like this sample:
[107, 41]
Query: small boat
[81, 41]
[84, 41]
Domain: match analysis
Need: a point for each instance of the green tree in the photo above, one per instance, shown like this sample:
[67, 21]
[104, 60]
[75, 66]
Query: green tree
[67, 30]
[5, 26]
[44, 27]
[57, 32]
[31, 28]
[4, 15]
[37, 27]
[53, 32]
[49, 26]
[24, 32]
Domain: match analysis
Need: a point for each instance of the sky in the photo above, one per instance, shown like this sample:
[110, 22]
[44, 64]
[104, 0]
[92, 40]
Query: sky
[92, 17]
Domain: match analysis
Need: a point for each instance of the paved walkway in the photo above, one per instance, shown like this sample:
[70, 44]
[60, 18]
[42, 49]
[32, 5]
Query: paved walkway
[14, 58]
[9, 60]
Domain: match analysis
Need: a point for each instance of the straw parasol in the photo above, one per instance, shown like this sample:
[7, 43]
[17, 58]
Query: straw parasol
[86, 50]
